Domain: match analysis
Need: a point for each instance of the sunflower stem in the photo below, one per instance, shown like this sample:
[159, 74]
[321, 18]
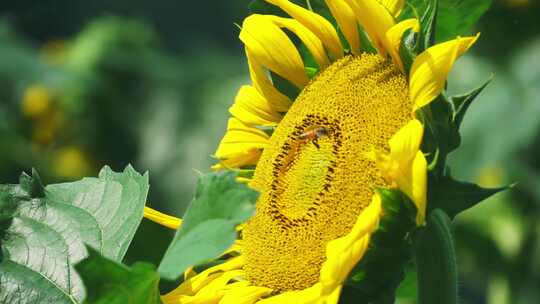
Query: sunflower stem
[436, 261]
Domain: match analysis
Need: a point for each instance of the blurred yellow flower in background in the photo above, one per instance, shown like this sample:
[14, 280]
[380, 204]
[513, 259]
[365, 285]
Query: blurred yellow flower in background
[36, 101]
[70, 163]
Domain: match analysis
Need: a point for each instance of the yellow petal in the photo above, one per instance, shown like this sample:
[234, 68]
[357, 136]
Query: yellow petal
[162, 218]
[430, 69]
[406, 165]
[343, 254]
[310, 40]
[260, 80]
[241, 159]
[347, 22]
[316, 23]
[376, 20]
[252, 108]
[406, 142]
[310, 295]
[419, 186]
[241, 144]
[271, 47]
[195, 284]
[394, 35]
[393, 6]
[216, 286]
[411, 173]
[244, 295]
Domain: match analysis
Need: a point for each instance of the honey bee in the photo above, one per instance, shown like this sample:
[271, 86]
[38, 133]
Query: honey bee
[313, 135]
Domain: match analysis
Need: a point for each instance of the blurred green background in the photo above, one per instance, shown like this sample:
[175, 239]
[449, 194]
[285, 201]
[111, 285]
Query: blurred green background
[85, 84]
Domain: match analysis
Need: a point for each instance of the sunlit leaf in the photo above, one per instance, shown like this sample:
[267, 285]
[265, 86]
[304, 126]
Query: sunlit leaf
[45, 229]
[208, 227]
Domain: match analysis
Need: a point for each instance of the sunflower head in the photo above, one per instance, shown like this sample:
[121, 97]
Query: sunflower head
[344, 122]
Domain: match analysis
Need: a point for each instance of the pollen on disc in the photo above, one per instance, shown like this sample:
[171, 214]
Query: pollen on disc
[312, 192]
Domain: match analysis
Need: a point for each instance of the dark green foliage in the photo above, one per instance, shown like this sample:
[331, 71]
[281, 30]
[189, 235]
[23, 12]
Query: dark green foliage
[208, 227]
[109, 282]
[44, 230]
[436, 261]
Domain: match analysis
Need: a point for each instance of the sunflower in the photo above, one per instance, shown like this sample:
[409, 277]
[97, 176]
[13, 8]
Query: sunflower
[331, 116]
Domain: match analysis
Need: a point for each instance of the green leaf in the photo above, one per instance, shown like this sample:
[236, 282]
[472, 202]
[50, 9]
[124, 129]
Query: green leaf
[45, 232]
[110, 282]
[462, 102]
[454, 196]
[435, 259]
[208, 227]
[454, 18]
[457, 17]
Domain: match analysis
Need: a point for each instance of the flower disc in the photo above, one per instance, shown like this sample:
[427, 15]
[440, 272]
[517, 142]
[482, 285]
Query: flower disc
[313, 177]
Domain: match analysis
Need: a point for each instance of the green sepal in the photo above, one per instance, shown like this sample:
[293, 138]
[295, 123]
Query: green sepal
[455, 196]
[428, 24]
[408, 49]
[380, 271]
[208, 228]
[461, 103]
[440, 135]
[442, 119]
[109, 282]
[436, 261]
